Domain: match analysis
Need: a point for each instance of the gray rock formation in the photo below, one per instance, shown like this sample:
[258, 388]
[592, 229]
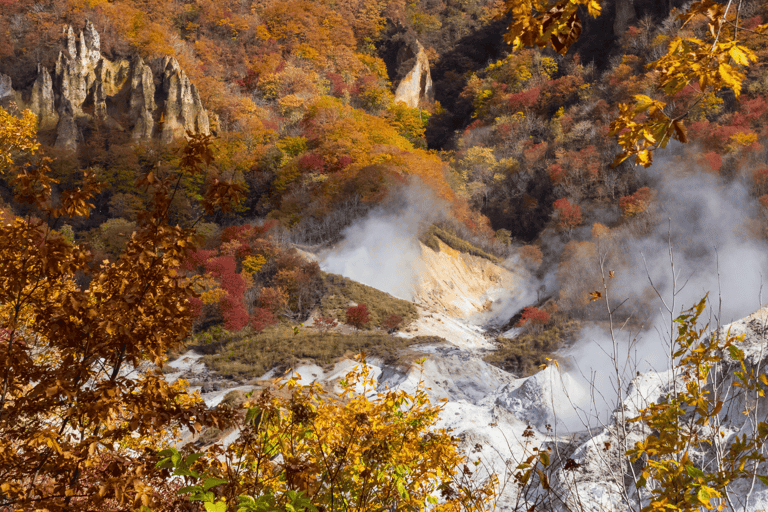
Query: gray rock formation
[6, 91]
[142, 100]
[42, 101]
[182, 109]
[88, 92]
[415, 89]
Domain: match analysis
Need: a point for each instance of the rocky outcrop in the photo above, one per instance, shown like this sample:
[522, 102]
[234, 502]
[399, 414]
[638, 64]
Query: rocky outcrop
[6, 90]
[182, 109]
[88, 93]
[415, 89]
[142, 100]
[42, 101]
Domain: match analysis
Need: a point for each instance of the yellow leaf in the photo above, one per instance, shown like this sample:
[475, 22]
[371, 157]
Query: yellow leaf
[738, 55]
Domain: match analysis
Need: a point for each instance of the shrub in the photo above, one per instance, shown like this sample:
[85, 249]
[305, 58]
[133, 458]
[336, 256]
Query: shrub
[262, 318]
[533, 315]
[568, 215]
[358, 316]
[392, 322]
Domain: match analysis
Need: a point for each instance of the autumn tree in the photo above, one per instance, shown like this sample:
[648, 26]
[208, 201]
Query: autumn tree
[72, 337]
[358, 316]
[638, 202]
[568, 215]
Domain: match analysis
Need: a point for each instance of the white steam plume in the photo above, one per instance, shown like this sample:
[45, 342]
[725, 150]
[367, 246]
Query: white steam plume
[709, 224]
[382, 250]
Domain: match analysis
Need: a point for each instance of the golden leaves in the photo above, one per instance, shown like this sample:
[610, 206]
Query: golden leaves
[384, 447]
[543, 23]
[18, 136]
[67, 345]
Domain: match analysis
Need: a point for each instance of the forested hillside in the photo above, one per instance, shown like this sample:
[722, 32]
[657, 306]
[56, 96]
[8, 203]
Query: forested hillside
[222, 142]
[300, 98]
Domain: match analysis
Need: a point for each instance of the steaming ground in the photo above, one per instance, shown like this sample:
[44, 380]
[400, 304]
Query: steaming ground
[459, 295]
[709, 226]
[382, 250]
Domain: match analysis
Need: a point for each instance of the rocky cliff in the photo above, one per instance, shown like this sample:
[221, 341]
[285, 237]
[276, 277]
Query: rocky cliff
[88, 93]
[415, 89]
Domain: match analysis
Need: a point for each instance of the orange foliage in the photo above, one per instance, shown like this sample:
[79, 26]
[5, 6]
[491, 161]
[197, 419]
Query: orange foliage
[638, 202]
[568, 215]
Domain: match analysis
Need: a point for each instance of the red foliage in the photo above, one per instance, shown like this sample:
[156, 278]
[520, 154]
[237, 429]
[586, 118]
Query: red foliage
[338, 85]
[392, 322]
[196, 306]
[719, 136]
[568, 215]
[533, 315]
[240, 233]
[763, 200]
[343, 162]
[556, 173]
[524, 100]
[357, 316]
[311, 162]
[755, 108]
[477, 123]
[753, 22]
[248, 82]
[196, 259]
[234, 312]
[224, 268]
[262, 318]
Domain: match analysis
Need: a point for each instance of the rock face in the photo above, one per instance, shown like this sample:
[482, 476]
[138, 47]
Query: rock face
[415, 89]
[182, 110]
[89, 93]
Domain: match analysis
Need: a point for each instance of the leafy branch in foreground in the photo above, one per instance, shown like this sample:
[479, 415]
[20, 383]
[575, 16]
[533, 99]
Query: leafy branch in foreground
[72, 339]
[359, 450]
[686, 424]
[707, 65]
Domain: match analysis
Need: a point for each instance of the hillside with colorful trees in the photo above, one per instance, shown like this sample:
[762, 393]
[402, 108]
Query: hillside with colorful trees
[536, 153]
[300, 97]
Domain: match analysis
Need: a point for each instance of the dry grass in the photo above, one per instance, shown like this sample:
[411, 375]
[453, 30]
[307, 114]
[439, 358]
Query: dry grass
[249, 355]
[523, 355]
[340, 292]
[430, 237]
